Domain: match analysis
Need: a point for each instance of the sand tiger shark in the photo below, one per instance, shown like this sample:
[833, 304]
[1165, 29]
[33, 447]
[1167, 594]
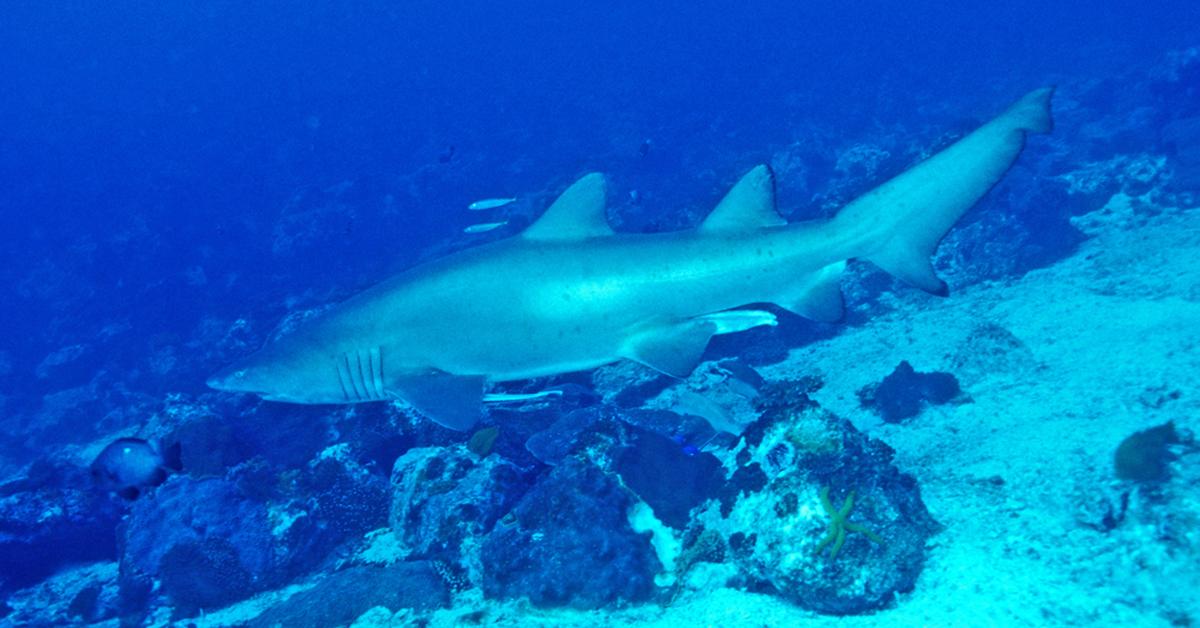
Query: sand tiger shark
[569, 293]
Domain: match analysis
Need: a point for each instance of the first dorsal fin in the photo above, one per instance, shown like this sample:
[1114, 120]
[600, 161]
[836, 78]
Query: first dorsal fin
[578, 213]
[749, 205]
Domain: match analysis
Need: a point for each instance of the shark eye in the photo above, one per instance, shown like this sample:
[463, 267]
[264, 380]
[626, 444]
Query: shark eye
[239, 374]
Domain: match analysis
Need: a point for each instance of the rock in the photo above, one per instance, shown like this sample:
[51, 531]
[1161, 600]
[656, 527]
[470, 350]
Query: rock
[904, 392]
[208, 444]
[350, 501]
[777, 529]
[1089, 188]
[1181, 140]
[204, 540]
[50, 519]
[991, 349]
[1023, 224]
[722, 394]
[628, 384]
[443, 496]
[1146, 456]
[343, 596]
[569, 543]
[562, 437]
[669, 480]
[204, 573]
[63, 357]
[1175, 84]
[77, 595]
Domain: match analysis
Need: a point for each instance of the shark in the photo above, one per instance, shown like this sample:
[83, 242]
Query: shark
[568, 293]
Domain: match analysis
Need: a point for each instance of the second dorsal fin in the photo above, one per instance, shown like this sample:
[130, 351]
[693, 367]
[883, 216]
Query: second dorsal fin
[749, 205]
[578, 213]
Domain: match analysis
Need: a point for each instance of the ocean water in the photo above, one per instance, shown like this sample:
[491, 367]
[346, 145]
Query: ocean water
[182, 183]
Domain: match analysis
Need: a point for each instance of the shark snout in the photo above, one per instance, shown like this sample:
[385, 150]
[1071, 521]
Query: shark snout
[230, 379]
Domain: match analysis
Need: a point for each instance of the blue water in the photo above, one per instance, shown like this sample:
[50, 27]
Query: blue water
[167, 168]
[141, 141]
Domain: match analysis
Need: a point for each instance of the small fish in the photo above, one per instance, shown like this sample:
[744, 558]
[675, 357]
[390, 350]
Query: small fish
[490, 203]
[484, 227]
[128, 466]
[482, 441]
[573, 394]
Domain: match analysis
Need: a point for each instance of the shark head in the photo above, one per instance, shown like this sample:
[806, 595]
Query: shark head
[283, 372]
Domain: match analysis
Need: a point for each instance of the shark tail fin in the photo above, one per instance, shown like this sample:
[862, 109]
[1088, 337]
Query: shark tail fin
[1032, 112]
[898, 225]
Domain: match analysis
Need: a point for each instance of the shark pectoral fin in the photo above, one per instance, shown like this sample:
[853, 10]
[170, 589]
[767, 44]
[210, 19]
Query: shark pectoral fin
[453, 401]
[672, 349]
[579, 212]
[818, 296]
[750, 204]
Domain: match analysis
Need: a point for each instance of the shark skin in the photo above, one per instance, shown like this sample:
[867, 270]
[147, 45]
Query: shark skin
[570, 294]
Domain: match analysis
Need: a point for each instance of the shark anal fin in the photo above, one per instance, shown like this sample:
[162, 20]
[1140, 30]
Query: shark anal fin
[818, 296]
[453, 401]
[911, 264]
[579, 212]
[750, 204]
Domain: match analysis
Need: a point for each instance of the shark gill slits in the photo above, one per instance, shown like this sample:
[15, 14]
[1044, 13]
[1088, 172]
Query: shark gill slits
[341, 380]
[362, 378]
[350, 376]
[370, 383]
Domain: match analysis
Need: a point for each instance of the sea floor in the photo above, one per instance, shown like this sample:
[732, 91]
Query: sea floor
[1059, 367]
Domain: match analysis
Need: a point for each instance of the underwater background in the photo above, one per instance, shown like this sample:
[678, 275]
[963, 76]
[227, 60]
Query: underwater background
[180, 181]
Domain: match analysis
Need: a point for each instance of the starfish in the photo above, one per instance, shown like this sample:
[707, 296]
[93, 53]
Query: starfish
[839, 526]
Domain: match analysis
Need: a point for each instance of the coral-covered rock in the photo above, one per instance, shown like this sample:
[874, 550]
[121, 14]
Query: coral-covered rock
[628, 384]
[1023, 224]
[204, 540]
[205, 573]
[832, 525]
[569, 543]
[208, 443]
[50, 518]
[341, 597]
[79, 595]
[349, 500]
[562, 437]
[669, 479]
[442, 496]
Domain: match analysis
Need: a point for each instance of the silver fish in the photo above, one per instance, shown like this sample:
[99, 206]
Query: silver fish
[490, 203]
